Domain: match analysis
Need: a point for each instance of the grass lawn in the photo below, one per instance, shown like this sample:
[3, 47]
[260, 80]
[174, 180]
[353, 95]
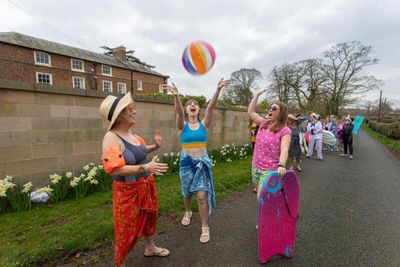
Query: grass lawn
[391, 144]
[49, 233]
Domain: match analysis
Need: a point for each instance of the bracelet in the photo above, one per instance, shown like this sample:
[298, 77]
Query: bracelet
[280, 164]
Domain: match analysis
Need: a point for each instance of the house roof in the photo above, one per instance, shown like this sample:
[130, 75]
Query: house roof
[19, 39]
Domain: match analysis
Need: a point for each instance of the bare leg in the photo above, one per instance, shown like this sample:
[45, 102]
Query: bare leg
[203, 207]
[188, 203]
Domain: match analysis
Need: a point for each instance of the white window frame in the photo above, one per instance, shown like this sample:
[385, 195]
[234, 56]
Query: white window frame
[124, 88]
[72, 65]
[83, 82]
[41, 63]
[140, 88]
[110, 86]
[160, 88]
[106, 74]
[42, 73]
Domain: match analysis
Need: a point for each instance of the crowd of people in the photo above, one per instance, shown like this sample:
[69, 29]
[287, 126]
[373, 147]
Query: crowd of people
[307, 136]
[275, 138]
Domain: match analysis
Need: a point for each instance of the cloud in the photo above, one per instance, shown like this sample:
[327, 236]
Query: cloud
[248, 34]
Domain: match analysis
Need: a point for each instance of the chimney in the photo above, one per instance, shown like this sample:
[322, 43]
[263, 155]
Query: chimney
[119, 52]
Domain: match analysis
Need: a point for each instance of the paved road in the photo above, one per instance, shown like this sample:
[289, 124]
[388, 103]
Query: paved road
[349, 216]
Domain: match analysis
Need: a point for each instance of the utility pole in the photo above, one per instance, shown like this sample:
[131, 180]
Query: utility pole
[379, 109]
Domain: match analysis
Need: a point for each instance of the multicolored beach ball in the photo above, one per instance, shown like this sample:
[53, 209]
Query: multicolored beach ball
[198, 57]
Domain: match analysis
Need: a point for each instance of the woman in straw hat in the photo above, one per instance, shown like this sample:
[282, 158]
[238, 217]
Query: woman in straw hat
[273, 140]
[135, 202]
[195, 165]
[295, 149]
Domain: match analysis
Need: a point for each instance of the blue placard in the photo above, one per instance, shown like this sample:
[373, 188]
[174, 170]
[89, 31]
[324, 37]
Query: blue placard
[357, 123]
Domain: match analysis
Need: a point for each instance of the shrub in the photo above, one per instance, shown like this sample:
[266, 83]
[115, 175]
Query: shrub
[391, 130]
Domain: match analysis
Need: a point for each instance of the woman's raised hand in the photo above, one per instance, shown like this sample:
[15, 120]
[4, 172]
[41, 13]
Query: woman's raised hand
[222, 83]
[261, 92]
[158, 137]
[172, 89]
[156, 167]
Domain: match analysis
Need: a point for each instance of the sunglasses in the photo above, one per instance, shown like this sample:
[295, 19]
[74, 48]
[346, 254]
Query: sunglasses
[273, 108]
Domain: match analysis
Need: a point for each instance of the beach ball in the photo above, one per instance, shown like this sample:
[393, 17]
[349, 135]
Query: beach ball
[198, 57]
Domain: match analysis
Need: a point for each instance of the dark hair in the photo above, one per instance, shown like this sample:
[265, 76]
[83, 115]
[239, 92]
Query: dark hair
[187, 104]
[283, 114]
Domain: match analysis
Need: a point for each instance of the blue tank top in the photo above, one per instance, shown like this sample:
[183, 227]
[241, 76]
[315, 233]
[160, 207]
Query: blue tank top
[194, 138]
[133, 155]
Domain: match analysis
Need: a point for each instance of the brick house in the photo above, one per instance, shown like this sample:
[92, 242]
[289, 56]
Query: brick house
[32, 60]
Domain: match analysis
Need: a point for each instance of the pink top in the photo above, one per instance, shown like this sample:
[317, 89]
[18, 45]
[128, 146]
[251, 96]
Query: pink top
[268, 147]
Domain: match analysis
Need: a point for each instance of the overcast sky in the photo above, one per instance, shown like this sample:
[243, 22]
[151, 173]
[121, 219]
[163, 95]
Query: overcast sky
[245, 34]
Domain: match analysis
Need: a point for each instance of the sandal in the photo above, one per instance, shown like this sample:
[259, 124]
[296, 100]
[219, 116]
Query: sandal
[299, 169]
[205, 234]
[186, 218]
[162, 252]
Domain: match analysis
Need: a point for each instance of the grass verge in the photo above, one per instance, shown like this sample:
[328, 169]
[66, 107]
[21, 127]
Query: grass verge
[52, 233]
[391, 144]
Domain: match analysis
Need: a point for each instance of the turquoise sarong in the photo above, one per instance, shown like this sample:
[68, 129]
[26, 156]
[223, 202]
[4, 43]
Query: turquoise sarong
[196, 175]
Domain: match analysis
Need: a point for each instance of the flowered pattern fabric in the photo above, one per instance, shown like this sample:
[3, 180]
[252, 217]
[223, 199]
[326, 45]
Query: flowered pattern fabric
[135, 210]
[196, 175]
[258, 176]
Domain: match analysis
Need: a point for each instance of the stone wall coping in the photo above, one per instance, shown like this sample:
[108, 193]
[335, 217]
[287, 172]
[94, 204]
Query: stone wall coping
[23, 86]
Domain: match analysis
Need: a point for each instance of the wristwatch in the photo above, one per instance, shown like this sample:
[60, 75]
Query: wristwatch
[142, 169]
[280, 164]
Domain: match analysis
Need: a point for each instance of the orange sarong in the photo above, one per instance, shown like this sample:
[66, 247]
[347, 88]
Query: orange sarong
[135, 211]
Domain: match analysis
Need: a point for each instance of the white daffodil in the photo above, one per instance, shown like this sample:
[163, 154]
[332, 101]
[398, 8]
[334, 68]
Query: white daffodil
[91, 164]
[68, 175]
[8, 178]
[94, 181]
[44, 190]
[165, 154]
[27, 187]
[75, 181]
[86, 167]
[100, 167]
[2, 192]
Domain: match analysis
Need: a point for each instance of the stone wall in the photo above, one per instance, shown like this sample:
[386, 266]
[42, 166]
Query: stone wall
[45, 129]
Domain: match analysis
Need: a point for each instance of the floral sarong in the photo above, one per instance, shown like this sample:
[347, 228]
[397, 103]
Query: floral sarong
[196, 175]
[135, 211]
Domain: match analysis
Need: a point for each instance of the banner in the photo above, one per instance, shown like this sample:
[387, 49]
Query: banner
[357, 123]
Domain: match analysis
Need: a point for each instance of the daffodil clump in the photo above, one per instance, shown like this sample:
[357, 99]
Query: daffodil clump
[227, 153]
[14, 196]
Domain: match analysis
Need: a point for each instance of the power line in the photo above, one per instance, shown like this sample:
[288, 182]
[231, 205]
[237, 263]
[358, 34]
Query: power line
[44, 22]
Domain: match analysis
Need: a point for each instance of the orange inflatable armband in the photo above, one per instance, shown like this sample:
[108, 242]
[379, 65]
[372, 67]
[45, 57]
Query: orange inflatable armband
[112, 159]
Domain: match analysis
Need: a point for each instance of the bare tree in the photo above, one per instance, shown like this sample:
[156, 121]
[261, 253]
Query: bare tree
[243, 82]
[343, 65]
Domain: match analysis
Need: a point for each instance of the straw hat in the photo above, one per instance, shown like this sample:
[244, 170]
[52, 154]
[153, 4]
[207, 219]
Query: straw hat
[292, 117]
[314, 115]
[112, 106]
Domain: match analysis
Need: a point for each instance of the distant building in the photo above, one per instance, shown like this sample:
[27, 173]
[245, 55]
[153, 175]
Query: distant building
[33, 60]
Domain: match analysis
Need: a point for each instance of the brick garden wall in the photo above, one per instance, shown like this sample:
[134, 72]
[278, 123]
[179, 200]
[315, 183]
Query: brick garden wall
[46, 129]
